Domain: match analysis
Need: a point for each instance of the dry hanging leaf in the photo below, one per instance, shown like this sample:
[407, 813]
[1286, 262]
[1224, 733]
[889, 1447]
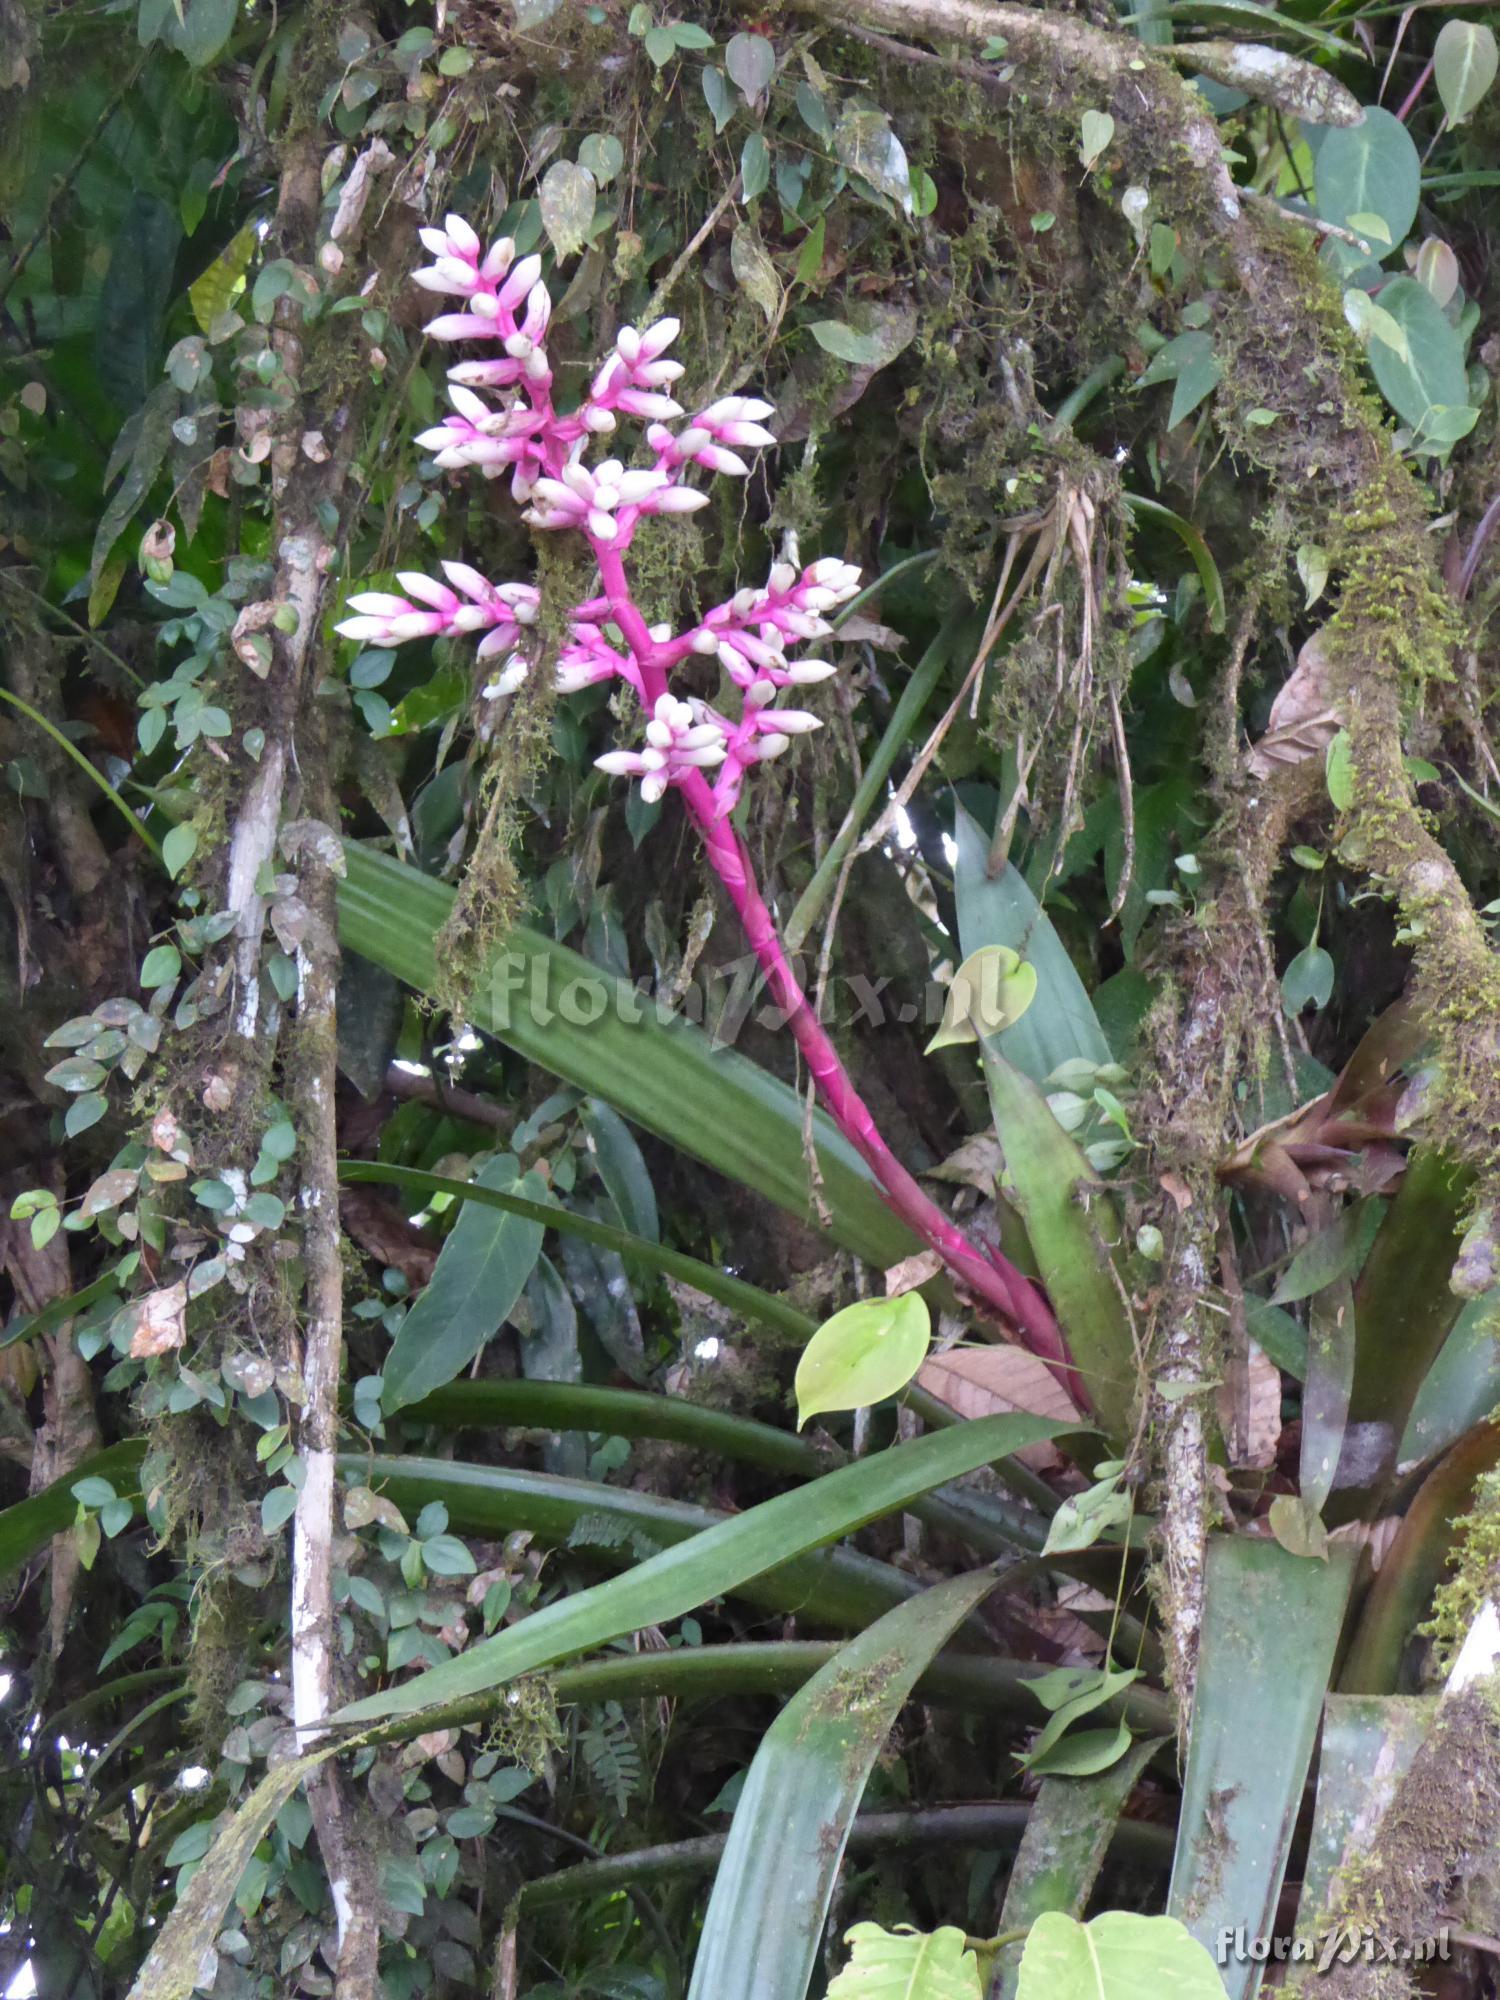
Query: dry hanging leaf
[1175, 1186]
[160, 1322]
[1302, 722]
[1260, 1427]
[976, 1164]
[911, 1272]
[990, 1381]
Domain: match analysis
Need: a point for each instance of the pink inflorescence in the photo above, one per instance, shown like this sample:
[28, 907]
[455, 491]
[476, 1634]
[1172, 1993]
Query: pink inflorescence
[501, 299]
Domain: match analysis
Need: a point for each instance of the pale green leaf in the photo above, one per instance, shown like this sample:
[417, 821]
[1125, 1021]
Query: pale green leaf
[751, 63]
[1096, 129]
[907, 1965]
[862, 1355]
[179, 846]
[990, 991]
[566, 199]
[1119, 1956]
[1464, 61]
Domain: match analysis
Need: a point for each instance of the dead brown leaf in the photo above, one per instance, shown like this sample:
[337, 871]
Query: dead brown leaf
[976, 1164]
[160, 1321]
[1303, 720]
[1260, 1425]
[989, 1381]
[912, 1272]
[1175, 1186]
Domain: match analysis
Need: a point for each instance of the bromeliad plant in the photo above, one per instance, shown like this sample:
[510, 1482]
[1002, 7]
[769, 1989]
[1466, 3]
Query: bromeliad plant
[685, 739]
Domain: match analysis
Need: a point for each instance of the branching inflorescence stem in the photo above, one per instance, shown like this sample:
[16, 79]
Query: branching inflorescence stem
[505, 300]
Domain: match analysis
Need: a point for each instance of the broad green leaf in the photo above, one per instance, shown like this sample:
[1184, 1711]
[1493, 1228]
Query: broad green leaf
[1298, 1527]
[904, 1964]
[755, 167]
[1374, 325]
[1372, 167]
[138, 288]
[1431, 375]
[990, 991]
[1190, 364]
[1270, 1625]
[145, 442]
[719, 1560]
[1437, 268]
[836, 1589]
[867, 144]
[775, 1882]
[1464, 61]
[1061, 1024]
[602, 155]
[1333, 1252]
[862, 1355]
[1403, 1302]
[986, 1523]
[1308, 980]
[751, 63]
[753, 270]
[718, 96]
[1083, 1755]
[480, 1274]
[1071, 1694]
[205, 27]
[178, 847]
[565, 1014]
[177, 1961]
[1461, 1387]
[1119, 1956]
[1071, 1228]
[835, 338]
[1325, 1390]
[1401, 1595]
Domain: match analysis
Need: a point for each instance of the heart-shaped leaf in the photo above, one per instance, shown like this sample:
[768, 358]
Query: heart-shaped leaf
[862, 1355]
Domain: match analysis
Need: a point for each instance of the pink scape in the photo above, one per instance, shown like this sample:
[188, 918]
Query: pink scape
[687, 747]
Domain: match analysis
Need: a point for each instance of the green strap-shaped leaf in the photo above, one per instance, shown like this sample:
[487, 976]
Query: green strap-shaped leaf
[835, 1589]
[480, 1274]
[1044, 1173]
[1367, 1748]
[720, 1559]
[1060, 1025]
[1063, 1847]
[1271, 1622]
[26, 1528]
[771, 1895]
[577, 1021]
